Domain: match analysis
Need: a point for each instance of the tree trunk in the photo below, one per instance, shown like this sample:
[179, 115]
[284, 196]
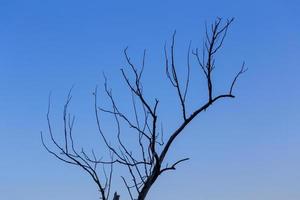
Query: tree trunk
[116, 196]
[151, 179]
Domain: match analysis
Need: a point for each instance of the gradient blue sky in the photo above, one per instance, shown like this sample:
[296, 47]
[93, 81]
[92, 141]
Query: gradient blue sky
[247, 148]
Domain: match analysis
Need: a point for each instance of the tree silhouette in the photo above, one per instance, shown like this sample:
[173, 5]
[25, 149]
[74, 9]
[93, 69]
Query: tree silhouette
[145, 166]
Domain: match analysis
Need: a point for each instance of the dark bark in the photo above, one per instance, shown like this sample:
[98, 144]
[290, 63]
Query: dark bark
[146, 165]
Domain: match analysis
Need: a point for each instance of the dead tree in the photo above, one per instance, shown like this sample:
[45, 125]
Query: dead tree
[147, 164]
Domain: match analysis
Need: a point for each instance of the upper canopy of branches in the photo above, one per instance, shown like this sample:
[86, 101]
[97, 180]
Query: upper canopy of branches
[148, 163]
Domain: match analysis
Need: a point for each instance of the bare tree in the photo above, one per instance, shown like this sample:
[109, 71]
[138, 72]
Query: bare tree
[149, 162]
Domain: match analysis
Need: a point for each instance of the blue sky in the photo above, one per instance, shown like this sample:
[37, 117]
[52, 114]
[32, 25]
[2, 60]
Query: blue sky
[246, 148]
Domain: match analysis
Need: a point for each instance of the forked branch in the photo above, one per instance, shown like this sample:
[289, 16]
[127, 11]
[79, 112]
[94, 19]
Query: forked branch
[146, 162]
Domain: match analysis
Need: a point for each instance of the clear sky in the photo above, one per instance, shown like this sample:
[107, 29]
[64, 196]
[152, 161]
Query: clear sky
[247, 148]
